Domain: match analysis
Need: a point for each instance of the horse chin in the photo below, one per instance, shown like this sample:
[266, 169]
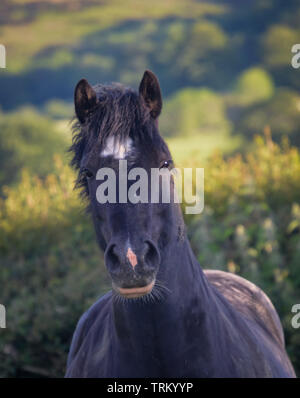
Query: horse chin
[135, 292]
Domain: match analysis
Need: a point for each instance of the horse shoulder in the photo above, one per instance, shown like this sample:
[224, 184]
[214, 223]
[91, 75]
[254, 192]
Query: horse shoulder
[93, 318]
[249, 300]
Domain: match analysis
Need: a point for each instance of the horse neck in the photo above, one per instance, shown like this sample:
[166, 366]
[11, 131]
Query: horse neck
[181, 273]
[170, 328]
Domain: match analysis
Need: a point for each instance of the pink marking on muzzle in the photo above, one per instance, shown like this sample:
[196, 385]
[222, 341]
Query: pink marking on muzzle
[131, 257]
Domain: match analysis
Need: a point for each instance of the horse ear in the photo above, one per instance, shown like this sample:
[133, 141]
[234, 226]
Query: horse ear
[85, 99]
[149, 90]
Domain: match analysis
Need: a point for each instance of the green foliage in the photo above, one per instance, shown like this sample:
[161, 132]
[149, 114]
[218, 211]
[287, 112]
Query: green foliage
[193, 112]
[281, 113]
[51, 272]
[192, 151]
[241, 53]
[27, 139]
[253, 85]
[57, 109]
[277, 44]
[197, 48]
[79, 21]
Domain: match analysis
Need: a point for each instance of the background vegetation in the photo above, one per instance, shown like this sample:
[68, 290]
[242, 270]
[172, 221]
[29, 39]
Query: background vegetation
[232, 106]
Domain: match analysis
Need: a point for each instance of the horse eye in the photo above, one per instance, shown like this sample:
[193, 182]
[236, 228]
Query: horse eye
[87, 173]
[166, 164]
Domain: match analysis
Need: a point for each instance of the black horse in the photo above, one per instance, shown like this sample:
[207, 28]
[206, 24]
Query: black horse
[165, 316]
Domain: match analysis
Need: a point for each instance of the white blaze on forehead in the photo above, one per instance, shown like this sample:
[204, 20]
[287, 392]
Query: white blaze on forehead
[114, 147]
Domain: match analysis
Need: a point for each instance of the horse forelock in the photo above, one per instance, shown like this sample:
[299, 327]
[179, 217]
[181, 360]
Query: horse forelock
[119, 115]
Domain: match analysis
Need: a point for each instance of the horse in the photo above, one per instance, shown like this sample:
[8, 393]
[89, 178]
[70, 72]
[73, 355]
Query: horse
[165, 316]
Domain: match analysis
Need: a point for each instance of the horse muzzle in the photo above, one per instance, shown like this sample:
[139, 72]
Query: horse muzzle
[132, 269]
[135, 292]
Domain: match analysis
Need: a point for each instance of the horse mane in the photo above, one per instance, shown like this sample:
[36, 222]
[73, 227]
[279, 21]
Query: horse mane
[119, 112]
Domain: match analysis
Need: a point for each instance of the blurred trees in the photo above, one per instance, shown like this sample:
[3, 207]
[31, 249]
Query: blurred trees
[51, 272]
[29, 140]
[192, 112]
[240, 53]
[254, 85]
[281, 112]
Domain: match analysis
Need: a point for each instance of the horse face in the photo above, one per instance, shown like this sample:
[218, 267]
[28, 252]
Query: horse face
[131, 221]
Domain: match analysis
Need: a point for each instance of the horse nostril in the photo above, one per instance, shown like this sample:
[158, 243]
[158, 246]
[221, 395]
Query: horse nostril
[112, 259]
[151, 255]
[121, 262]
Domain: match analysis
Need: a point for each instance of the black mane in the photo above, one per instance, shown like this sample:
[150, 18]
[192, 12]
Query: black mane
[119, 112]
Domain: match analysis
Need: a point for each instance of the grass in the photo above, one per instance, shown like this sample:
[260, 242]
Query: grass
[195, 150]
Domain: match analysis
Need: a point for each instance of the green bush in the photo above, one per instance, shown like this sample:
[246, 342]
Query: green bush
[27, 139]
[51, 272]
[194, 112]
[252, 86]
[280, 112]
